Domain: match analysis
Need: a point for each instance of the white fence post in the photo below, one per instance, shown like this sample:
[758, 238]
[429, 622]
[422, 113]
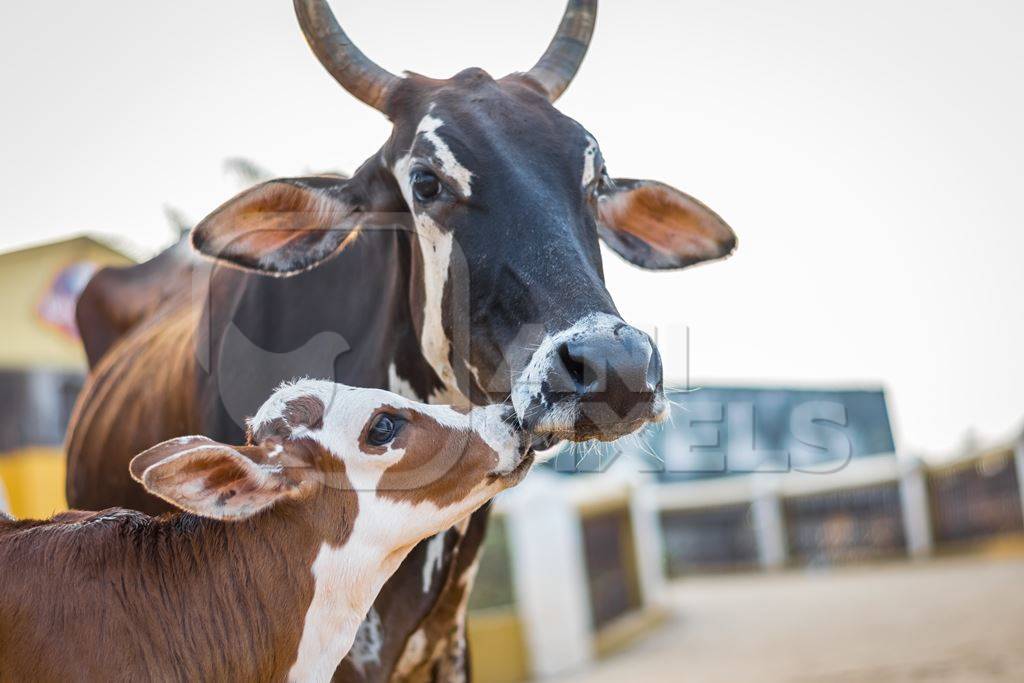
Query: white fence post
[769, 527]
[914, 507]
[649, 542]
[552, 596]
[1018, 453]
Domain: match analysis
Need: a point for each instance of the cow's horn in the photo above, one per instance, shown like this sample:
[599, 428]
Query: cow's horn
[559, 65]
[339, 55]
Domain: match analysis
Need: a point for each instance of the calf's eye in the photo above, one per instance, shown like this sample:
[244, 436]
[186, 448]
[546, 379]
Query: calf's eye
[383, 430]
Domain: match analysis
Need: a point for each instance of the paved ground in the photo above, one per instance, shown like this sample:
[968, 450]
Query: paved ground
[951, 620]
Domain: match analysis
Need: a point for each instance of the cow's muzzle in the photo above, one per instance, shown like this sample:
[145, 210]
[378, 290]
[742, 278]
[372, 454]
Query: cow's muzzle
[600, 379]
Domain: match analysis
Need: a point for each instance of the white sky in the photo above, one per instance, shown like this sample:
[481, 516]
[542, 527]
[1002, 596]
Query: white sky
[869, 154]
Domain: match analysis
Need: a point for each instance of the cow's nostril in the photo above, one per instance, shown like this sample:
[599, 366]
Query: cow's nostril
[575, 365]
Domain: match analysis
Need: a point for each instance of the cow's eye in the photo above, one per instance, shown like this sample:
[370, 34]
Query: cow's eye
[425, 185]
[383, 430]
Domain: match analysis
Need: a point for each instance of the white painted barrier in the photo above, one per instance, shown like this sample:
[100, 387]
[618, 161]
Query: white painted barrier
[545, 517]
[549, 575]
[917, 522]
[766, 495]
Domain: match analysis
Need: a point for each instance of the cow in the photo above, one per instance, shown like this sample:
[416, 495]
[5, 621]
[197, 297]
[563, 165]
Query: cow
[458, 264]
[279, 551]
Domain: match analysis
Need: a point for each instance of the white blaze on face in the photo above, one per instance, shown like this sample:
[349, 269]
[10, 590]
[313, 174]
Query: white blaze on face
[436, 249]
[450, 166]
[436, 246]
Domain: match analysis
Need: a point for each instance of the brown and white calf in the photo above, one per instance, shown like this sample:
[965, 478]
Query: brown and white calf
[279, 551]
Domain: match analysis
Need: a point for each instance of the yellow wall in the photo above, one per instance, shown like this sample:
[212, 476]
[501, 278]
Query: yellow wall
[497, 646]
[34, 482]
[25, 276]
[33, 475]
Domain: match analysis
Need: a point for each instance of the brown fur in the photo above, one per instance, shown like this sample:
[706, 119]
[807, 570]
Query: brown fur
[119, 595]
[138, 394]
[307, 411]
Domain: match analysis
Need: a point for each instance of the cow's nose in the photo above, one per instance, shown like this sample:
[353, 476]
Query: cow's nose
[599, 379]
[620, 367]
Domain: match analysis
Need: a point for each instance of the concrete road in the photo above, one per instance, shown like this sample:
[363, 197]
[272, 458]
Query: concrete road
[949, 620]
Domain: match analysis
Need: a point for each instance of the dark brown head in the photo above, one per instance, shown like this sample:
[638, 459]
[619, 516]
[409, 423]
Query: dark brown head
[509, 199]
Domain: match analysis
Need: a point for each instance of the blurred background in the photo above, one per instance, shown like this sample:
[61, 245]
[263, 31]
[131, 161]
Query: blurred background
[838, 493]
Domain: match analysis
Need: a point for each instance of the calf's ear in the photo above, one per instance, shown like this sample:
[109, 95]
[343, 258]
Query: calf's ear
[212, 480]
[280, 227]
[655, 226]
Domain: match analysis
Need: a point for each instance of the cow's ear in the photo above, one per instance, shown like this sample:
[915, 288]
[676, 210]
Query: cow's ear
[212, 480]
[655, 226]
[281, 227]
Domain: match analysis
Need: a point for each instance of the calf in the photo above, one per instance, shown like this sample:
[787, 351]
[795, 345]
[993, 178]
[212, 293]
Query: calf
[277, 555]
